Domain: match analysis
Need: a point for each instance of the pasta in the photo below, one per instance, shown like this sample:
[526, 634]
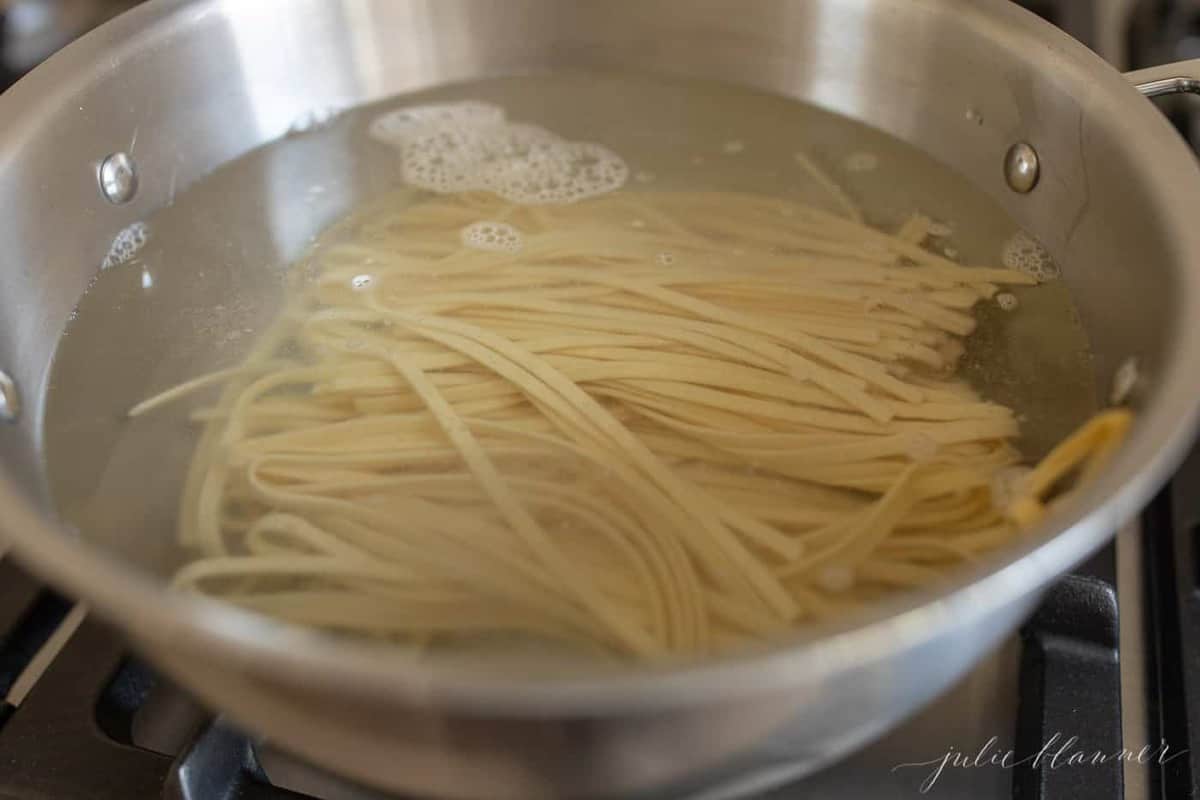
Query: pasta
[650, 424]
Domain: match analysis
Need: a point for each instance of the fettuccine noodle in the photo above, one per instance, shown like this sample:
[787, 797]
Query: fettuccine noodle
[665, 423]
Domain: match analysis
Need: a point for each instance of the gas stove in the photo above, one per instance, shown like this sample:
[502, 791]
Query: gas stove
[1097, 697]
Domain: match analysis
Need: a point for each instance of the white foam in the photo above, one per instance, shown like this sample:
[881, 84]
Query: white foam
[396, 127]
[1006, 301]
[861, 162]
[1023, 253]
[360, 283]
[126, 244]
[472, 146]
[494, 237]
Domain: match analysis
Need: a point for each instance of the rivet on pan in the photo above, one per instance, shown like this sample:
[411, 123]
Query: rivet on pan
[10, 401]
[1021, 167]
[118, 178]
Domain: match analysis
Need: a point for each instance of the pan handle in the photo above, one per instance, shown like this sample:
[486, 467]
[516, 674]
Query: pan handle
[1176, 78]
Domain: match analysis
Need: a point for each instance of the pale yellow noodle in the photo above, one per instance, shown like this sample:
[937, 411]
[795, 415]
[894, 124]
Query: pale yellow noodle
[579, 443]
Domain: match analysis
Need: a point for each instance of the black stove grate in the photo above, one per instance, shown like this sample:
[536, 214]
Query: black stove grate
[1070, 686]
[99, 725]
[1172, 564]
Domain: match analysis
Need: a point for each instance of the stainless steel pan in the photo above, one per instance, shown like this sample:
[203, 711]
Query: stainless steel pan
[198, 82]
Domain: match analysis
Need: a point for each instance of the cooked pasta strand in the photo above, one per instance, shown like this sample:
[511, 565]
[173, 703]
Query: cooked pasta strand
[580, 443]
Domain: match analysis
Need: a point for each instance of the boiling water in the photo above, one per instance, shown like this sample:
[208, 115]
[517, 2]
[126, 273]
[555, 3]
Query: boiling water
[188, 290]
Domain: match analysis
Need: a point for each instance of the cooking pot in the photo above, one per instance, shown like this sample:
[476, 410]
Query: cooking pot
[114, 125]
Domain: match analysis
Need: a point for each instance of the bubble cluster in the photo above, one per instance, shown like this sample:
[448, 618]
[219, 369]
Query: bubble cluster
[494, 237]
[395, 127]
[126, 244]
[861, 162]
[1024, 254]
[360, 283]
[1007, 301]
[472, 146]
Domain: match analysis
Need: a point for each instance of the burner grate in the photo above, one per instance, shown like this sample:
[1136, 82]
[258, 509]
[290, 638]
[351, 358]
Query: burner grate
[100, 725]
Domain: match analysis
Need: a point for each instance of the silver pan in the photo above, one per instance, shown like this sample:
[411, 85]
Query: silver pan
[198, 82]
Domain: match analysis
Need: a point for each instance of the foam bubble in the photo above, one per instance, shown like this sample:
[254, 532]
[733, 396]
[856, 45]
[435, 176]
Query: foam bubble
[922, 448]
[312, 120]
[835, 578]
[1006, 301]
[941, 229]
[733, 147]
[360, 283]
[472, 146]
[644, 177]
[1125, 380]
[494, 237]
[1024, 254]
[666, 259]
[861, 162]
[396, 127]
[126, 244]
[1007, 486]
